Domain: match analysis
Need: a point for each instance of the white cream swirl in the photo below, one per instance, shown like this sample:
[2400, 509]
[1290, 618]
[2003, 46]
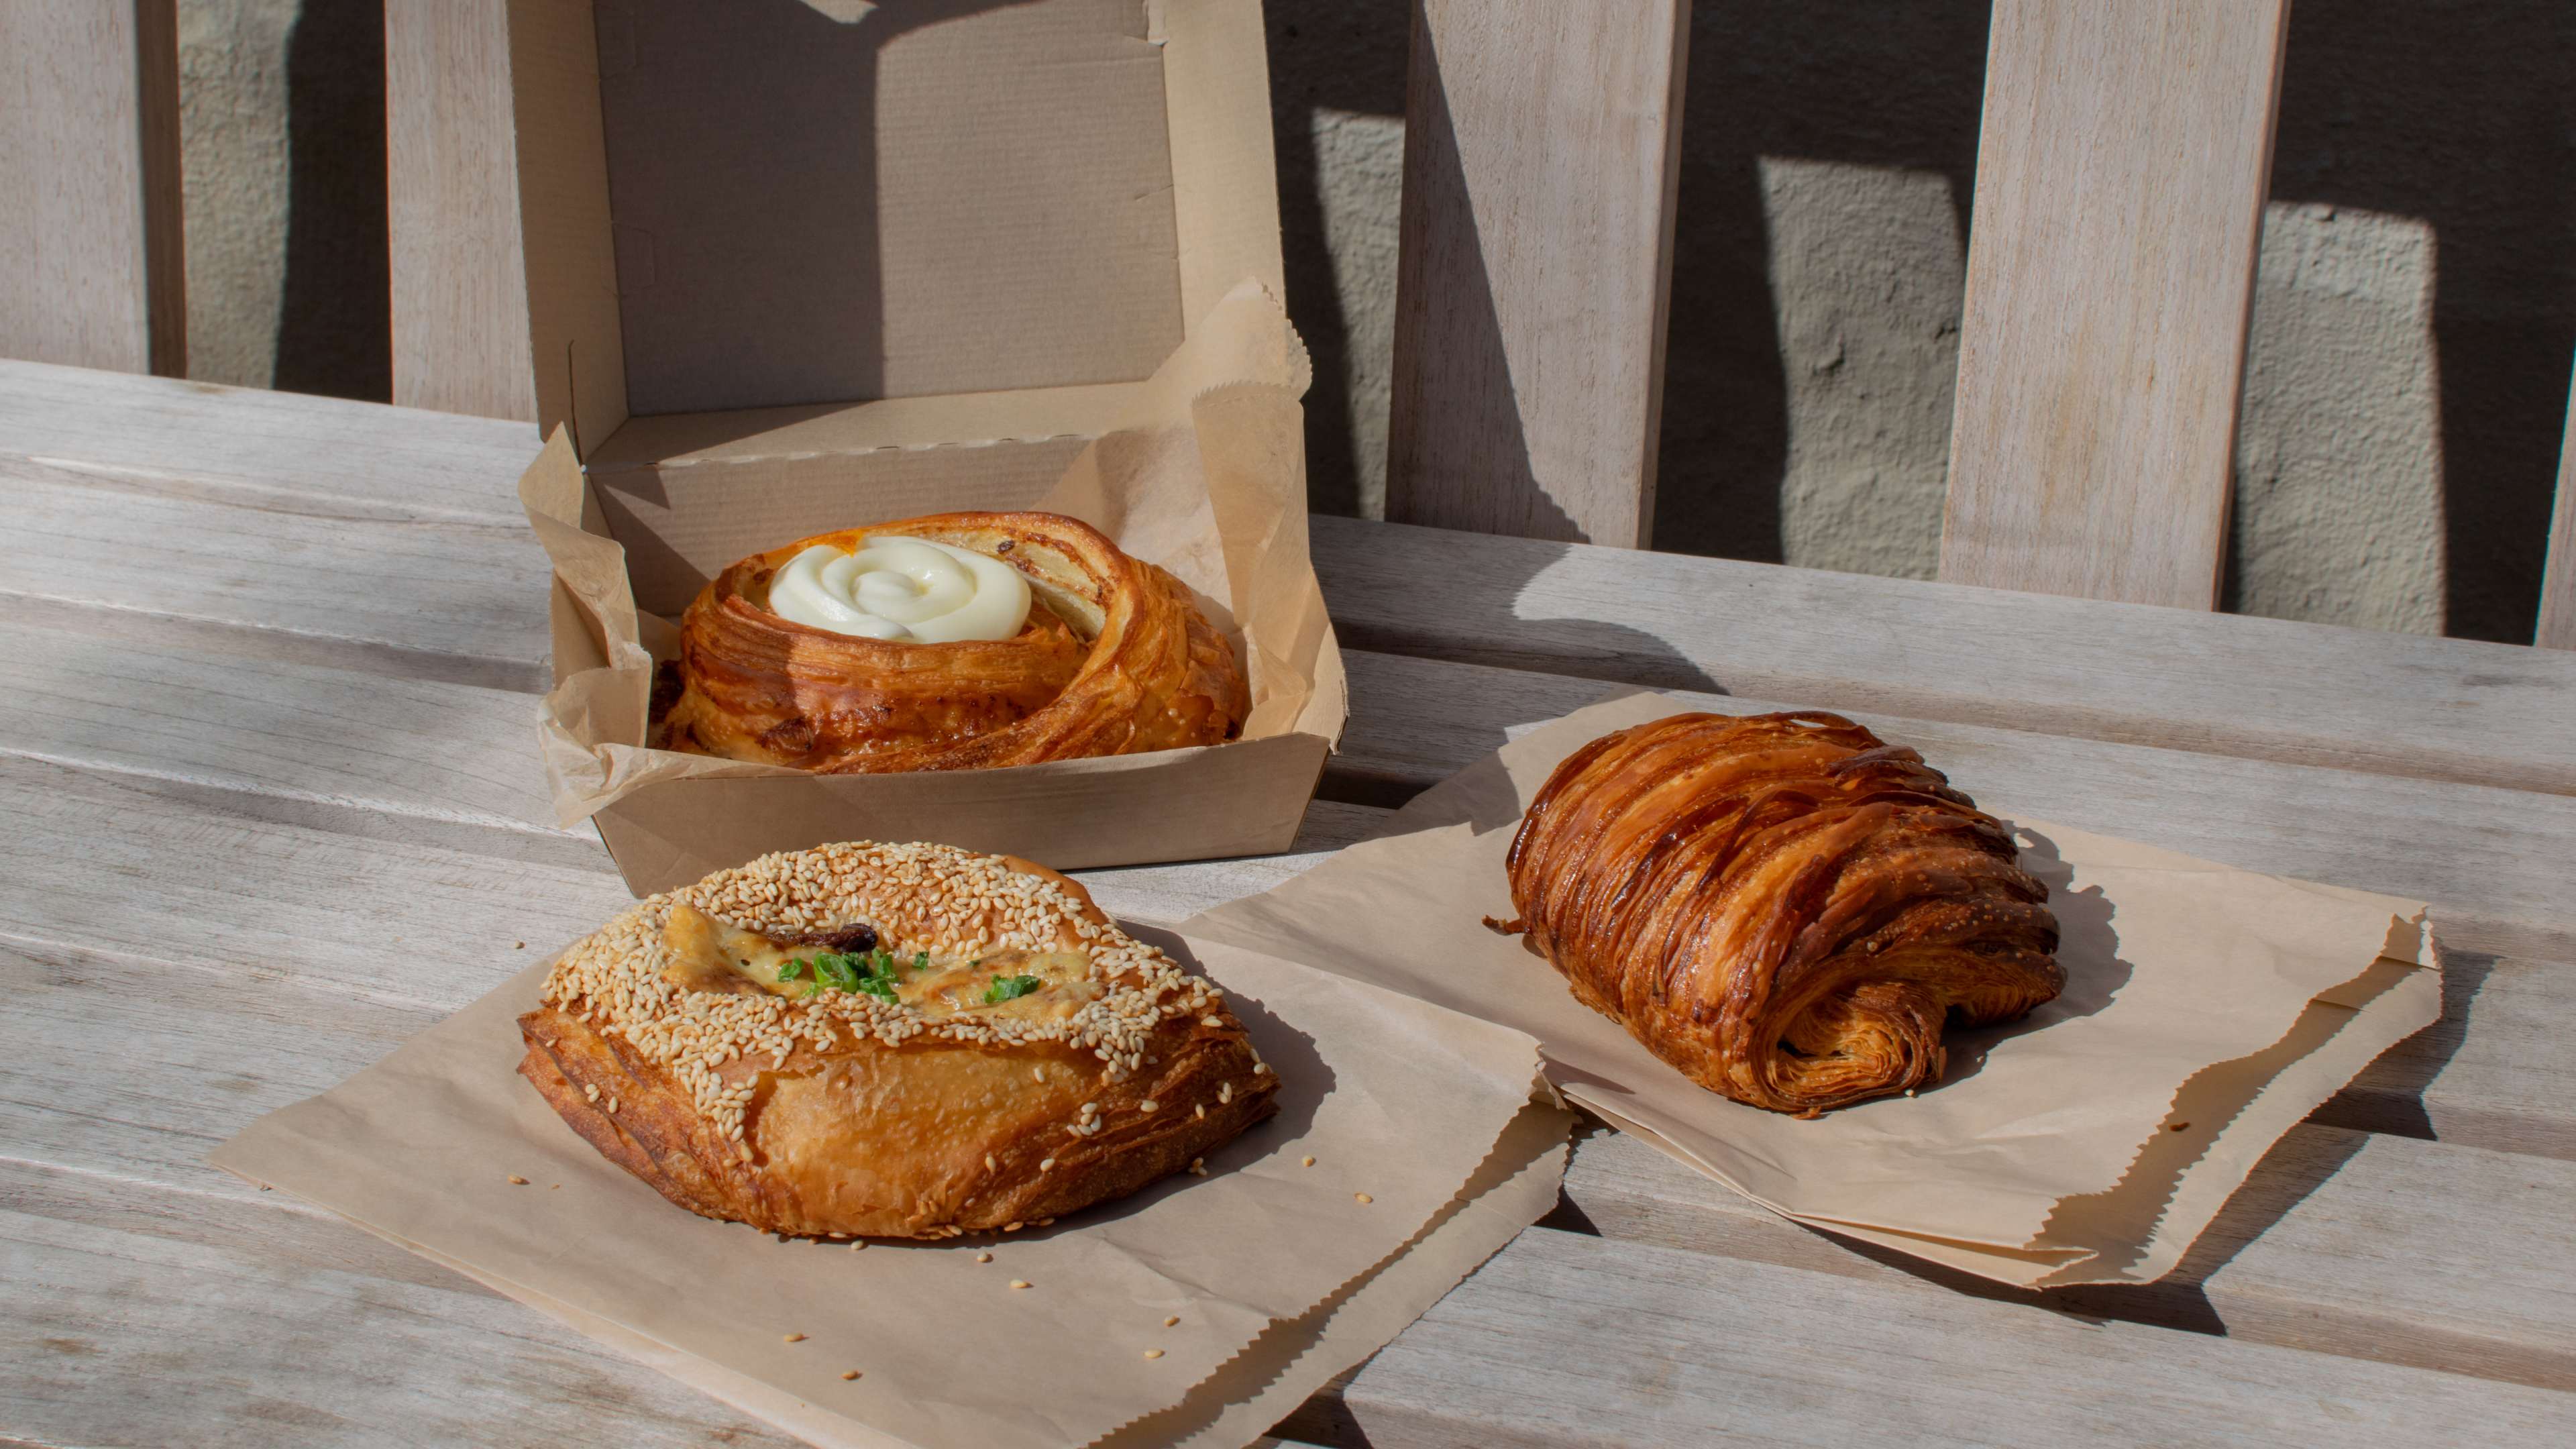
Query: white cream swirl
[899, 588]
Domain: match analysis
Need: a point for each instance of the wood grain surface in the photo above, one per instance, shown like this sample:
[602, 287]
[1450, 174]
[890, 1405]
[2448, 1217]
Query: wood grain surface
[92, 259]
[460, 289]
[1534, 265]
[2557, 629]
[2121, 170]
[263, 826]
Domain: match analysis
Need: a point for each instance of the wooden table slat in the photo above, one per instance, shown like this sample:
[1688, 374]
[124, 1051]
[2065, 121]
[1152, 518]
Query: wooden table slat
[258, 996]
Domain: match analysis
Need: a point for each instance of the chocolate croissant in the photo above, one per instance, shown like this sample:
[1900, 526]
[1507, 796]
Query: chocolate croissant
[1114, 658]
[888, 1040]
[1781, 906]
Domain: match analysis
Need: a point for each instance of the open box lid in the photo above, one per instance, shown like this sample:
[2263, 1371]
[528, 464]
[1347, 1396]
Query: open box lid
[887, 225]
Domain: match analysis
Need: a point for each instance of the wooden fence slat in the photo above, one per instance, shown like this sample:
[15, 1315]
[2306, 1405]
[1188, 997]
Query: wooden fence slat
[1540, 161]
[460, 293]
[93, 270]
[2121, 172]
[2558, 579]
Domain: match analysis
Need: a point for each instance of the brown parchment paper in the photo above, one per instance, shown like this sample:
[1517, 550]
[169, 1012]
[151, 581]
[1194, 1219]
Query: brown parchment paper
[1427, 1111]
[2207, 1010]
[1200, 469]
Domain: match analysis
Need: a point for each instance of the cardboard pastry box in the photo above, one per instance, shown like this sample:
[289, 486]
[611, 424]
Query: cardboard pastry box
[798, 265]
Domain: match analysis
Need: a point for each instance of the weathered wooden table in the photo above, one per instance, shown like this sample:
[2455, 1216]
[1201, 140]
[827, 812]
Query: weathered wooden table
[270, 803]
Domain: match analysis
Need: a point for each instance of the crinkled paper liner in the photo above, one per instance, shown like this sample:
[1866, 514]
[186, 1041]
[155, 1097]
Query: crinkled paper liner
[2207, 1010]
[1279, 1274]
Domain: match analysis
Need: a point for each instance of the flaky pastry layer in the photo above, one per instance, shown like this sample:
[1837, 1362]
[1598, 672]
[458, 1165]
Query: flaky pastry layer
[1782, 906]
[1115, 658]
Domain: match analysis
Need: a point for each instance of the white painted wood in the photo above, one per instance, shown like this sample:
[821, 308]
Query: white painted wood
[92, 265]
[2355, 699]
[1565, 1339]
[1535, 265]
[460, 290]
[2121, 170]
[2557, 627]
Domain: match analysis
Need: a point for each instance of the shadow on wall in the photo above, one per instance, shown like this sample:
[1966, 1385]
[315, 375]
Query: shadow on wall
[334, 324]
[2455, 113]
[2459, 113]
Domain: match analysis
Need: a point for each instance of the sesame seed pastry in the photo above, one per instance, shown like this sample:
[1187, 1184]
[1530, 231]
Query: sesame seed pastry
[954, 642]
[906, 1041]
[1782, 906]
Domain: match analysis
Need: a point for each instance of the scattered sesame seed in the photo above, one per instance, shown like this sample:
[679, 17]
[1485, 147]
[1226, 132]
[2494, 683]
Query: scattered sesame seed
[1363, 1197]
[849, 1373]
[1153, 1353]
[517, 1181]
[1019, 1282]
[795, 1338]
[861, 1243]
[1198, 1167]
[519, 946]
[1171, 1321]
[983, 1257]
[1308, 1162]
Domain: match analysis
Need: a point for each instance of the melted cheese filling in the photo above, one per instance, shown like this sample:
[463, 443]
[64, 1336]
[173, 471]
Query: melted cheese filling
[708, 955]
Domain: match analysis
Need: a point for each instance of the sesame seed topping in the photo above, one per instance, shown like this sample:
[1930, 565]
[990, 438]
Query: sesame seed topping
[1047, 1166]
[1148, 1105]
[1011, 1227]
[958, 904]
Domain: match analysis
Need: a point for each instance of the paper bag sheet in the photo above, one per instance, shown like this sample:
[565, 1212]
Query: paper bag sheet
[2207, 1009]
[1393, 1097]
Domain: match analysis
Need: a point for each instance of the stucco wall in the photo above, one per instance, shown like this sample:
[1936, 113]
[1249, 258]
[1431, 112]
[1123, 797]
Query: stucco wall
[2407, 375]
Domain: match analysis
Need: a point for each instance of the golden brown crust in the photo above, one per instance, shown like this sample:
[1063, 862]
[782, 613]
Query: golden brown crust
[1782, 906]
[849, 1116]
[1115, 659]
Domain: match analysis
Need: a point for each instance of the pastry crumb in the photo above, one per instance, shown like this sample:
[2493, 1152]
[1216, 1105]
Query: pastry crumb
[518, 945]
